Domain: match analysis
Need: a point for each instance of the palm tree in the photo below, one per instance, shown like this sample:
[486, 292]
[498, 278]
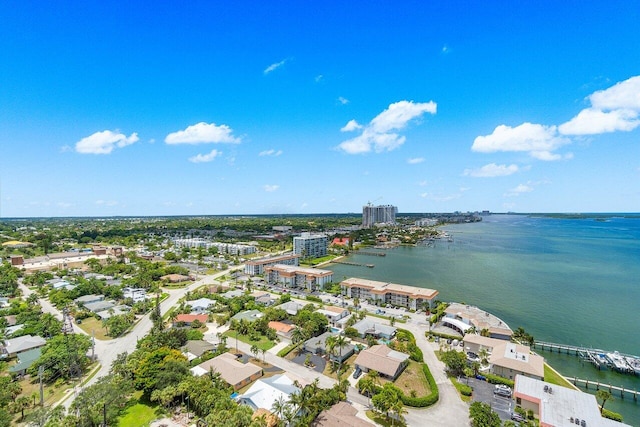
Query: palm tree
[254, 350]
[279, 407]
[375, 376]
[20, 404]
[603, 396]
[397, 408]
[484, 356]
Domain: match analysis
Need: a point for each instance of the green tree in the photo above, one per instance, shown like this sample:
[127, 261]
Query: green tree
[20, 404]
[455, 361]
[63, 356]
[603, 396]
[109, 394]
[482, 415]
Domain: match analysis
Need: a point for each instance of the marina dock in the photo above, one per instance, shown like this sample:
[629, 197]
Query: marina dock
[371, 253]
[601, 359]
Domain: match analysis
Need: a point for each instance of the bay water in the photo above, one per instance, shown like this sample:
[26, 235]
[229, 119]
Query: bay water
[565, 280]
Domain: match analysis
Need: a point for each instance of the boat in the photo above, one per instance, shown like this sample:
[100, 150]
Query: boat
[634, 364]
[618, 361]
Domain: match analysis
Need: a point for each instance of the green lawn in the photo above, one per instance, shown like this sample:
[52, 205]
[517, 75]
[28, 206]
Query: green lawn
[263, 343]
[553, 377]
[139, 414]
[91, 325]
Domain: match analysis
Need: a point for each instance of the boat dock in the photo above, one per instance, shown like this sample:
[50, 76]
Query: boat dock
[371, 253]
[623, 363]
[598, 385]
[355, 264]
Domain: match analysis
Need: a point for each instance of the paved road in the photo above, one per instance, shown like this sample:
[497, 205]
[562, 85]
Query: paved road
[107, 351]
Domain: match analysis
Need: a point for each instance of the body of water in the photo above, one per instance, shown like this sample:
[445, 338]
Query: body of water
[571, 281]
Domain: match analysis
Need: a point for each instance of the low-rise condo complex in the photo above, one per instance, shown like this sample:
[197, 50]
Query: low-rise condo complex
[388, 293]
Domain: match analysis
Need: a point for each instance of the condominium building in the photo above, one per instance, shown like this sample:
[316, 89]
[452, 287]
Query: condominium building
[256, 266]
[383, 214]
[223, 248]
[388, 293]
[291, 276]
[310, 245]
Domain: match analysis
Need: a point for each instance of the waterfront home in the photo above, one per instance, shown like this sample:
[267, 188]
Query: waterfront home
[506, 359]
[15, 346]
[235, 373]
[383, 293]
[267, 391]
[559, 406]
[367, 327]
[387, 362]
[256, 266]
[462, 317]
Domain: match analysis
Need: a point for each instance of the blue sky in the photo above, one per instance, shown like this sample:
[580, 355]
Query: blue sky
[317, 107]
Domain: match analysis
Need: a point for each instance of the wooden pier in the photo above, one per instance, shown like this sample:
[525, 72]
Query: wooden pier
[598, 385]
[371, 253]
[355, 264]
[563, 348]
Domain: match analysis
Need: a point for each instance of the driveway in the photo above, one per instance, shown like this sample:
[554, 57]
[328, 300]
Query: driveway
[318, 362]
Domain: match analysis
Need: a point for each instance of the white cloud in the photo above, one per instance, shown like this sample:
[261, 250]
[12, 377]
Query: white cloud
[104, 142]
[518, 190]
[591, 121]
[440, 198]
[270, 188]
[415, 160]
[539, 140]
[274, 66]
[202, 133]
[351, 126]
[342, 100]
[614, 109]
[319, 78]
[377, 134]
[422, 183]
[204, 158]
[106, 203]
[491, 170]
[64, 205]
[445, 49]
[270, 152]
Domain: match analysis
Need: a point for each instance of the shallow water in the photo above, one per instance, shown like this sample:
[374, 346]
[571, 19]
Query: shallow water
[571, 281]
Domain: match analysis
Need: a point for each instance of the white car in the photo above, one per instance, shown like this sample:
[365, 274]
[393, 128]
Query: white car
[502, 390]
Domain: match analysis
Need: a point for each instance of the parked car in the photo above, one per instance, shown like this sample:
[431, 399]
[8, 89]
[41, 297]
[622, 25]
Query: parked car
[357, 373]
[502, 390]
[517, 417]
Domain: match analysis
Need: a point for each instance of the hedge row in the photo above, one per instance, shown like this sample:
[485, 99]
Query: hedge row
[287, 350]
[495, 379]
[428, 400]
[442, 335]
[611, 415]
[464, 389]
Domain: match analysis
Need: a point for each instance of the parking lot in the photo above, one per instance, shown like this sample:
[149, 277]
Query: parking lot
[483, 392]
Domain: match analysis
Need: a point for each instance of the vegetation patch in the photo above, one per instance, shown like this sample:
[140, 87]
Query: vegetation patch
[139, 413]
[263, 343]
[92, 325]
[464, 390]
[553, 377]
[412, 381]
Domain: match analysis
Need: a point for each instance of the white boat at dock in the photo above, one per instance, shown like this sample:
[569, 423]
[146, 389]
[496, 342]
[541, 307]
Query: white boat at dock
[618, 361]
[634, 364]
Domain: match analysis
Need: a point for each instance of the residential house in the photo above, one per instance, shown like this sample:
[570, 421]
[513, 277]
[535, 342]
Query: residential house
[201, 305]
[367, 327]
[290, 307]
[196, 348]
[559, 406]
[15, 346]
[333, 314]
[387, 362]
[175, 278]
[235, 373]
[136, 294]
[506, 359]
[4, 302]
[88, 299]
[342, 414]
[282, 329]
[318, 345]
[25, 360]
[116, 310]
[98, 306]
[234, 293]
[188, 319]
[265, 392]
[249, 315]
